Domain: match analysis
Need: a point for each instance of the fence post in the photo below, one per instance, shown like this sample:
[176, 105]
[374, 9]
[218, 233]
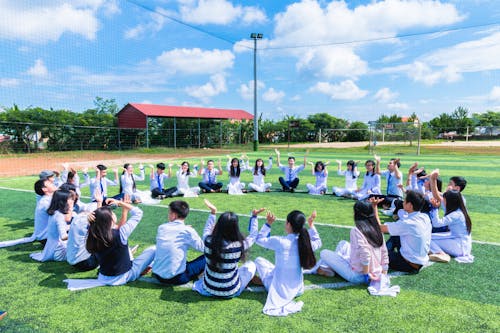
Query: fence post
[175, 133]
[419, 137]
[147, 132]
[319, 138]
[467, 135]
[119, 140]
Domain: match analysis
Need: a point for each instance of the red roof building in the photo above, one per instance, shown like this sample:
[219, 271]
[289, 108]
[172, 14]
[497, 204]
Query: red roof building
[134, 115]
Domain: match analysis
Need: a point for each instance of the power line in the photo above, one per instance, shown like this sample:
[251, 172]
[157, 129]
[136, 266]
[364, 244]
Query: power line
[383, 38]
[185, 24]
[368, 40]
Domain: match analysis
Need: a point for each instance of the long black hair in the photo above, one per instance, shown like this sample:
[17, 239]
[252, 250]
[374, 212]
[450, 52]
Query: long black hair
[373, 164]
[318, 164]
[455, 201]
[188, 171]
[100, 235]
[256, 168]
[297, 220]
[125, 166]
[59, 202]
[365, 221]
[226, 230]
[234, 171]
[353, 166]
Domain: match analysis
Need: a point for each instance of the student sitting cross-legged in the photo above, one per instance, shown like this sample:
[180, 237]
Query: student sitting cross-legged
[173, 240]
[225, 247]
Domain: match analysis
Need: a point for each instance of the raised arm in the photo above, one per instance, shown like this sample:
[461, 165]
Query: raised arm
[312, 168]
[253, 228]
[313, 233]
[305, 157]
[278, 157]
[435, 192]
[377, 164]
[374, 202]
[396, 169]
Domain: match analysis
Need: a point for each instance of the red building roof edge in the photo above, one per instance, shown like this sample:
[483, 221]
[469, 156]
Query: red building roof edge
[155, 110]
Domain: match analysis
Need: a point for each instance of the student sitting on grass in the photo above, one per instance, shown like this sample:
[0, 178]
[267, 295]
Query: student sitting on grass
[371, 183]
[458, 241]
[100, 182]
[60, 214]
[321, 173]
[234, 169]
[157, 182]
[108, 240]
[284, 281]
[290, 182]
[209, 183]
[259, 174]
[409, 243]
[183, 175]
[351, 175]
[225, 246]
[394, 180]
[173, 239]
[365, 258]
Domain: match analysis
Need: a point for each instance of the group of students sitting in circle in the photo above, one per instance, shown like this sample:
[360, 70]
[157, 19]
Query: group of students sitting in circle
[90, 236]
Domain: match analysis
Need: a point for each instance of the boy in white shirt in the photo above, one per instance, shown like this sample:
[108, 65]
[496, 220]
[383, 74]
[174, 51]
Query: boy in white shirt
[290, 182]
[173, 240]
[410, 239]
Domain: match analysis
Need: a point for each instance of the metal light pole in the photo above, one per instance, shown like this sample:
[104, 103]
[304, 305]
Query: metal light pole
[255, 36]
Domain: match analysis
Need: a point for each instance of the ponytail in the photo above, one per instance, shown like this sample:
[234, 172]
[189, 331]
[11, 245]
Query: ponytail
[306, 254]
[297, 221]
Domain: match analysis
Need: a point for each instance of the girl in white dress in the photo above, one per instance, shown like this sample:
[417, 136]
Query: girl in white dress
[259, 174]
[127, 182]
[183, 175]
[371, 182]
[284, 280]
[351, 175]
[319, 170]
[234, 168]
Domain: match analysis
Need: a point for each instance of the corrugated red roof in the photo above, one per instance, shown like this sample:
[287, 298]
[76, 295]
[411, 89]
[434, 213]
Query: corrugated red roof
[154, 110]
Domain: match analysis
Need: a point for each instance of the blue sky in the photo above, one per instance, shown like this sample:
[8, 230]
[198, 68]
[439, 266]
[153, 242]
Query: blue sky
[351, 59]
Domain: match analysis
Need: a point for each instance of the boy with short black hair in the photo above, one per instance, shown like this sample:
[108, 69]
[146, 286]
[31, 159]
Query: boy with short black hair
[173, 240]
[410, 239]
[157, 180]
[290, 182]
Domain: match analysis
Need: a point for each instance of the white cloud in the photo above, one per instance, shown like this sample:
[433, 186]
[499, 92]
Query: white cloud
[246, 90]
[154, 24]
[385, 95]
[448, 64]
[345, 90]
[146, 101]
[9, 82]
[214, 87]
[311, 22]
[38, 69]
[398, 106]
[195, 61]
[48, 21]
[273, 96]
[296, 98]
[218, 12]
[330, 61]
[495, 94]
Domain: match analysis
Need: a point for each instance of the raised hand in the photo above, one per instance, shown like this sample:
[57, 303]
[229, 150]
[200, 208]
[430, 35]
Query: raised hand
[210, 206]
[256, 212]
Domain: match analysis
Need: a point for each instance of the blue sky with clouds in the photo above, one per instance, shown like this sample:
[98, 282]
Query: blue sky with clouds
[352, 59]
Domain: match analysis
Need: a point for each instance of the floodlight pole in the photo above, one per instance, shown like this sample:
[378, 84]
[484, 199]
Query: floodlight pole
[255, 36]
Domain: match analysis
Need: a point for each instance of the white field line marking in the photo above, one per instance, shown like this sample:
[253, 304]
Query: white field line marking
[248, 215]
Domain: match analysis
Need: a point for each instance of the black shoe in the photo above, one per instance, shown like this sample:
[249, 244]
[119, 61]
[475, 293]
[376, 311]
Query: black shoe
[292, 190]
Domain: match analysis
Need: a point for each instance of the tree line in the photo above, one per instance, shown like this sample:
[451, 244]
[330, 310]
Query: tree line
[96, 128]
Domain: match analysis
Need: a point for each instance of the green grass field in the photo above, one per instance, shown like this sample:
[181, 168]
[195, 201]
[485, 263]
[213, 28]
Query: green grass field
[443, 297]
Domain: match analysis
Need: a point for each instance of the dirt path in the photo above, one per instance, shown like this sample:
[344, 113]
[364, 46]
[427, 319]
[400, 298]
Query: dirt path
[32, 164]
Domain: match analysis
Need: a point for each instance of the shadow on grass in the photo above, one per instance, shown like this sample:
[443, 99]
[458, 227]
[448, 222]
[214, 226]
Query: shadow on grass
[27, 223]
